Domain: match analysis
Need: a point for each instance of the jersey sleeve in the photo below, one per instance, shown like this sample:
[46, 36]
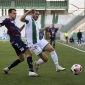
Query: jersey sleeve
[4, 22]
[26, 20]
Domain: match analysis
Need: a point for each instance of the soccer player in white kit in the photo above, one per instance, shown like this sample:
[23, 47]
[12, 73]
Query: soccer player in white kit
[36, 43]
[4, 36]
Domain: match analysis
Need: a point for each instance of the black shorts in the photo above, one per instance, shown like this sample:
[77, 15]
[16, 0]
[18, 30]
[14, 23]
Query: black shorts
[18, 45]
[52, 38]
[66, 38]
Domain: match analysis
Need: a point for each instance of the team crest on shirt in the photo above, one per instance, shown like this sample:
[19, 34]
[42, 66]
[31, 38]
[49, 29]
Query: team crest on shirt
[12, 22]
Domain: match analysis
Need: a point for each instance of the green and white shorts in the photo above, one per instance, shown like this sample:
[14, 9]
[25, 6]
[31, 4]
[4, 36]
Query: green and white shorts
[38, 47]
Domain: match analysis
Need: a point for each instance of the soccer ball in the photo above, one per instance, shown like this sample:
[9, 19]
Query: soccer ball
[76, 69]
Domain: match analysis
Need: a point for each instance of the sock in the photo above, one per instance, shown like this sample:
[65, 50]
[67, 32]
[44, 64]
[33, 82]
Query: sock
[55, 58]
[39, 62]
[16, 62]
[29, 61]
[50, 42]
[54, 45]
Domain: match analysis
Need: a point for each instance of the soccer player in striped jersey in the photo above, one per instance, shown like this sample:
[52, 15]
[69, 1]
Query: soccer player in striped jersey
[36, 43]
[52, 35]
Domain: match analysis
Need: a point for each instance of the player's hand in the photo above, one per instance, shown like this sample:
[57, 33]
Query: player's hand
[47, 27]
[32, 10]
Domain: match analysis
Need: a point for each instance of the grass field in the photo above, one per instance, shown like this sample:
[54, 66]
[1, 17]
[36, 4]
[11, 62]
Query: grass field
[19, 74]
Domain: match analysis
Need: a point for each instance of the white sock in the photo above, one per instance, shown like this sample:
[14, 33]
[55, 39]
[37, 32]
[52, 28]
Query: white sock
[39, 62]
[55, 58]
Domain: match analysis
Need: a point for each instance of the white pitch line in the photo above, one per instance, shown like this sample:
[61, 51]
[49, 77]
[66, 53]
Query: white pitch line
[71, 47]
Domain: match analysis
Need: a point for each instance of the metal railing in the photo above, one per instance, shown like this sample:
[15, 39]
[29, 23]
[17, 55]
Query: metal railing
[22, 4]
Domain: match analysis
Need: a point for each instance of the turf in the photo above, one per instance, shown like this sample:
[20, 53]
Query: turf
[19, 74]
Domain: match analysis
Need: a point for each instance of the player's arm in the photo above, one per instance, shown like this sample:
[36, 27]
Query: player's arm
[25, 14]
[49, 32]
[43, 29]
[56, 30]
[3, 23]
[22, 27]
[0, 24]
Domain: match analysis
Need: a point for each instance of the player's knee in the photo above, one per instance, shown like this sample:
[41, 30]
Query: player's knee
[28, 52]
[21, 59]
[51, 49]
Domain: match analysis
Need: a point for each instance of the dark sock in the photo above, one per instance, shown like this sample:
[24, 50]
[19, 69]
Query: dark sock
[54, 45]
[29, 61]
[16, 62]
[51, 42]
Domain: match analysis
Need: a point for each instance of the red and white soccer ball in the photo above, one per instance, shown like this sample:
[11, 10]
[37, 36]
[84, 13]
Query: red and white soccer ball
[76, 69]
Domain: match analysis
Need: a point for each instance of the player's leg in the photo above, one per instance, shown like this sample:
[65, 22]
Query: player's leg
[54, 42]
[43, 59]
[43, 56]
[54, 57]
[38, 51]
[29, 59]
[47, 47]
[15, 63]
[51, 41]
[66, 39]
[30, 63]
[24, 49]
[16, 44]
[20, 48]
[78, 41]
[4, 39]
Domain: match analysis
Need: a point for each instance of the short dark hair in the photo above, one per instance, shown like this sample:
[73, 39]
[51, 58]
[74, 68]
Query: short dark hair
[10, 10]
[33, 11]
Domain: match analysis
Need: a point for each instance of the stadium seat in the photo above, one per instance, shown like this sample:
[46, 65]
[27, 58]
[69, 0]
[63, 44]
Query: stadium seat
[5, 3]
[72, 22]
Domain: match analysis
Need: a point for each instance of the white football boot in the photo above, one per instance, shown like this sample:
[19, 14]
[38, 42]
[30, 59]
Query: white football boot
[60, 69]
[33, 74]
[6, 70]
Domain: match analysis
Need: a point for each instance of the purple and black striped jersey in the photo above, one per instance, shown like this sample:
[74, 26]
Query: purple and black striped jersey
[52, 32]
[13, 30]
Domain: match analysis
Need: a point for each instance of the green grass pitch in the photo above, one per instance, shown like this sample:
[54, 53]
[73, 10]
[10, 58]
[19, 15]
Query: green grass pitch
[19, 74]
